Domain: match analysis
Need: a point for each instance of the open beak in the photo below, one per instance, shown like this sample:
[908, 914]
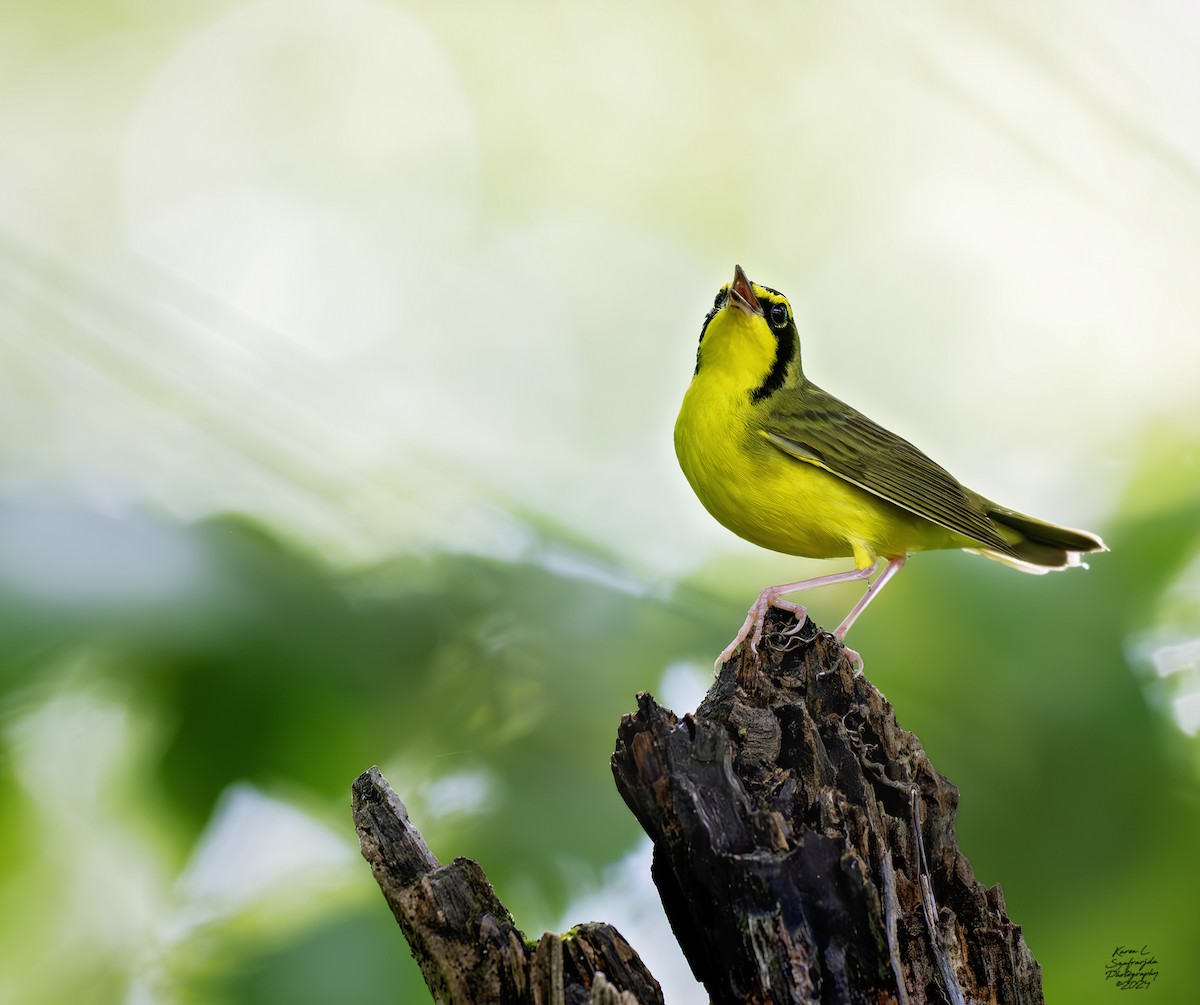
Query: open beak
[742, 293]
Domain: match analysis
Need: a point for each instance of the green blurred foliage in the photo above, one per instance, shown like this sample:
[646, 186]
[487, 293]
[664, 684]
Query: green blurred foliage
[271, 669]
[509, 676]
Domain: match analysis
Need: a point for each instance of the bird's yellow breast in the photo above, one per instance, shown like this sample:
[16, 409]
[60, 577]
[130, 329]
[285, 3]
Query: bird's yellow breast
[777, 501]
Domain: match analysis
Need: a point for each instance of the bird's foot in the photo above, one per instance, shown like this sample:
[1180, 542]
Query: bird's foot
[856, 660]
[752, 627]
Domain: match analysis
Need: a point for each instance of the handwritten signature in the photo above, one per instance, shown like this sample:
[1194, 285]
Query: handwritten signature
[1131, 967]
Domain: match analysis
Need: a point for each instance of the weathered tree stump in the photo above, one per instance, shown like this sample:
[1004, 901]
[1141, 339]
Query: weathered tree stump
[804, 850]
[804, 846]
[463, 938]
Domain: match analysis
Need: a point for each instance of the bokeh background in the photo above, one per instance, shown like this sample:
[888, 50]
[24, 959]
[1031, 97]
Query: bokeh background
[341, 344]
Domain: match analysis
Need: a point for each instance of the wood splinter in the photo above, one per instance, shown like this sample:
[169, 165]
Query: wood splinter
[463, 938]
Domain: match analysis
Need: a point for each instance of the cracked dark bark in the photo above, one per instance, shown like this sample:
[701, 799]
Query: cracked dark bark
[804, 845]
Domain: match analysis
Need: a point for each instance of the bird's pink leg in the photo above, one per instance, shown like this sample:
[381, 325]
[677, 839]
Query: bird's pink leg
[873, 589]
[770, 597]
[894, 565]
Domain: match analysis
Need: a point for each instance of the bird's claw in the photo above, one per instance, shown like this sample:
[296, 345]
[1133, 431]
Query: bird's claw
[753, 625]
[801, 621]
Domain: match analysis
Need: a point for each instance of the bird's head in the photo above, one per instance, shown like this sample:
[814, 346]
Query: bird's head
[750, 337]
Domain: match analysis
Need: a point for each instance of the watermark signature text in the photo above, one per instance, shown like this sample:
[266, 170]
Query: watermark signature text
[1131, 968]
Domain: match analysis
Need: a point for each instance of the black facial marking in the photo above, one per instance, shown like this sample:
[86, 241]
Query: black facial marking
[786, 342]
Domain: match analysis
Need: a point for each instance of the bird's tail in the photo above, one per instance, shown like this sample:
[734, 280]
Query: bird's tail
[1038, 546]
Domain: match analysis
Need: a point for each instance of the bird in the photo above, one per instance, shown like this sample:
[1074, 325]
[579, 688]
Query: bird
[789, 467]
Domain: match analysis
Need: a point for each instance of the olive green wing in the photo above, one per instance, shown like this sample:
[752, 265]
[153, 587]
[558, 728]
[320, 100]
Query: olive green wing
[815, 427]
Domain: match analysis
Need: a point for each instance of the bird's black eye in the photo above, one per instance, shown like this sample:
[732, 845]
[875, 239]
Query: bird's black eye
[779, 315]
